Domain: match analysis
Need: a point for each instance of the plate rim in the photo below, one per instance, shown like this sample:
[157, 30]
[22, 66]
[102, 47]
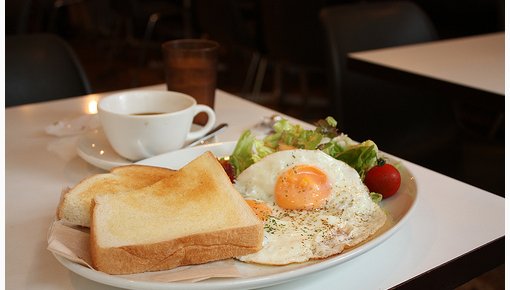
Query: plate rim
[247, 282]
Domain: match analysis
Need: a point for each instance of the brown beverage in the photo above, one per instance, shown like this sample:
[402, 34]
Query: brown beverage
[190, 68]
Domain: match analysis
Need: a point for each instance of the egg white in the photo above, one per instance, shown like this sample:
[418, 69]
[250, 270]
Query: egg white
[348, 218]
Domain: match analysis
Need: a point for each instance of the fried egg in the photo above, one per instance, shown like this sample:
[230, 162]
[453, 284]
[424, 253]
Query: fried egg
[313, 206]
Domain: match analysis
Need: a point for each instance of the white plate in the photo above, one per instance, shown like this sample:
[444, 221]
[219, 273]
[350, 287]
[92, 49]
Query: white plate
[94, 148]
[398, 208]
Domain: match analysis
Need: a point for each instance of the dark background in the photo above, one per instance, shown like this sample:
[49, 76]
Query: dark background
[111, 40]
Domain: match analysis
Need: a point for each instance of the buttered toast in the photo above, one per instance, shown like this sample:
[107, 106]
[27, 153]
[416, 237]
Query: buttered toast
[191, 217]
[75, 205]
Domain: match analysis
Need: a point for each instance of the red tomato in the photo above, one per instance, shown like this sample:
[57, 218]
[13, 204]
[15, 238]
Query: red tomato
[229, 169]
[383, 179]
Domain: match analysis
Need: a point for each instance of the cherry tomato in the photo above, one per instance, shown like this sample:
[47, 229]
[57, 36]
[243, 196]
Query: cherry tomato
[229, 169]
[383, 179]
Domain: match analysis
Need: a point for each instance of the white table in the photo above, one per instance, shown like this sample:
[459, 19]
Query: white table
[450, 219]
[477, 62]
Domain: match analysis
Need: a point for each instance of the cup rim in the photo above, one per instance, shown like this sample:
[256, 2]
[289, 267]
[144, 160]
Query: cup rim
[213, 45]
[101, 108]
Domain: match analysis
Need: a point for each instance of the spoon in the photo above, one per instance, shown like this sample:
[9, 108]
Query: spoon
[215, 131]
[270, 121]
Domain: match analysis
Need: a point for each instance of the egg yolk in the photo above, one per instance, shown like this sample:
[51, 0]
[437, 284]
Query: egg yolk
[302, 187]
[259, 208]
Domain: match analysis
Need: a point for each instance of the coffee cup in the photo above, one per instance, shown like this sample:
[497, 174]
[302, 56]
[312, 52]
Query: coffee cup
[142, 124]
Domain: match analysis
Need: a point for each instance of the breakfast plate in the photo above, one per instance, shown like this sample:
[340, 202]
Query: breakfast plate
[398, 208]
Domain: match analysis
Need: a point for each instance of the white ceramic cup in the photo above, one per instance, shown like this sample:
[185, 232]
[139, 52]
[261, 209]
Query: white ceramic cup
[142, 124]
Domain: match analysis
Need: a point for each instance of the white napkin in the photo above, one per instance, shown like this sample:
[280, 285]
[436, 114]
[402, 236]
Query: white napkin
[69, 131]
[73, 244]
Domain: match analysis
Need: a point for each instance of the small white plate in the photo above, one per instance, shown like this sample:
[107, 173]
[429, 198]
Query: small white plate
[398, 208]
[94, 148]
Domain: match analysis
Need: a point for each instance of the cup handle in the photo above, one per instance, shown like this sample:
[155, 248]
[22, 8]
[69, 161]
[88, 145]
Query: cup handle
[211, 120]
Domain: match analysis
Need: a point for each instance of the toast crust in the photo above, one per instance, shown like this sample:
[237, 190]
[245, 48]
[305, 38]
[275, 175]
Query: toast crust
[189, 250]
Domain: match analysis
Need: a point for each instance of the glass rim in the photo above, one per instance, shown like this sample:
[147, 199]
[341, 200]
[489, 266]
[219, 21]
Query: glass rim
[191, 44]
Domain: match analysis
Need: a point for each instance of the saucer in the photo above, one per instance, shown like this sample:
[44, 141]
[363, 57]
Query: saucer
[94, 148]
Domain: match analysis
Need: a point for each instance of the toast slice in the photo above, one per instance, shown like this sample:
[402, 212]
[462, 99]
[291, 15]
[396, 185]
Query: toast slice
[75, 205]
[192, 217]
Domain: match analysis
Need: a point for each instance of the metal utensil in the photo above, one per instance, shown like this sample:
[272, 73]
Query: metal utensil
[215, 131]
[271, 120]
[267, 123]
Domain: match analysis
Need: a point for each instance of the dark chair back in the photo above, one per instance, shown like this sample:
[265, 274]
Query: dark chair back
[293, 45]
[17, 15]
[235, 25]
[411, 122]
[41, 67]
[224, 21]
[291, 31]
[364, 26]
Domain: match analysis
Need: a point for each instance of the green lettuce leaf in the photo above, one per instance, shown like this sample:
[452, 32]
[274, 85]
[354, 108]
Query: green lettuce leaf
[325, 137]
[327, 127]
[248, 150]
[293, 135]
[361, 157]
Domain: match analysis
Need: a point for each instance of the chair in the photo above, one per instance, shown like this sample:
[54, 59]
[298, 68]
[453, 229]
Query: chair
[234, 24]
[413, 123]
[291, 32]
[17, 16]
[41, 67]
[136, 23]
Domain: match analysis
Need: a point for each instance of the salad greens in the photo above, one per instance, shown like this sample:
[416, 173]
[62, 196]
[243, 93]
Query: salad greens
[376, 197]
[325, 137]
